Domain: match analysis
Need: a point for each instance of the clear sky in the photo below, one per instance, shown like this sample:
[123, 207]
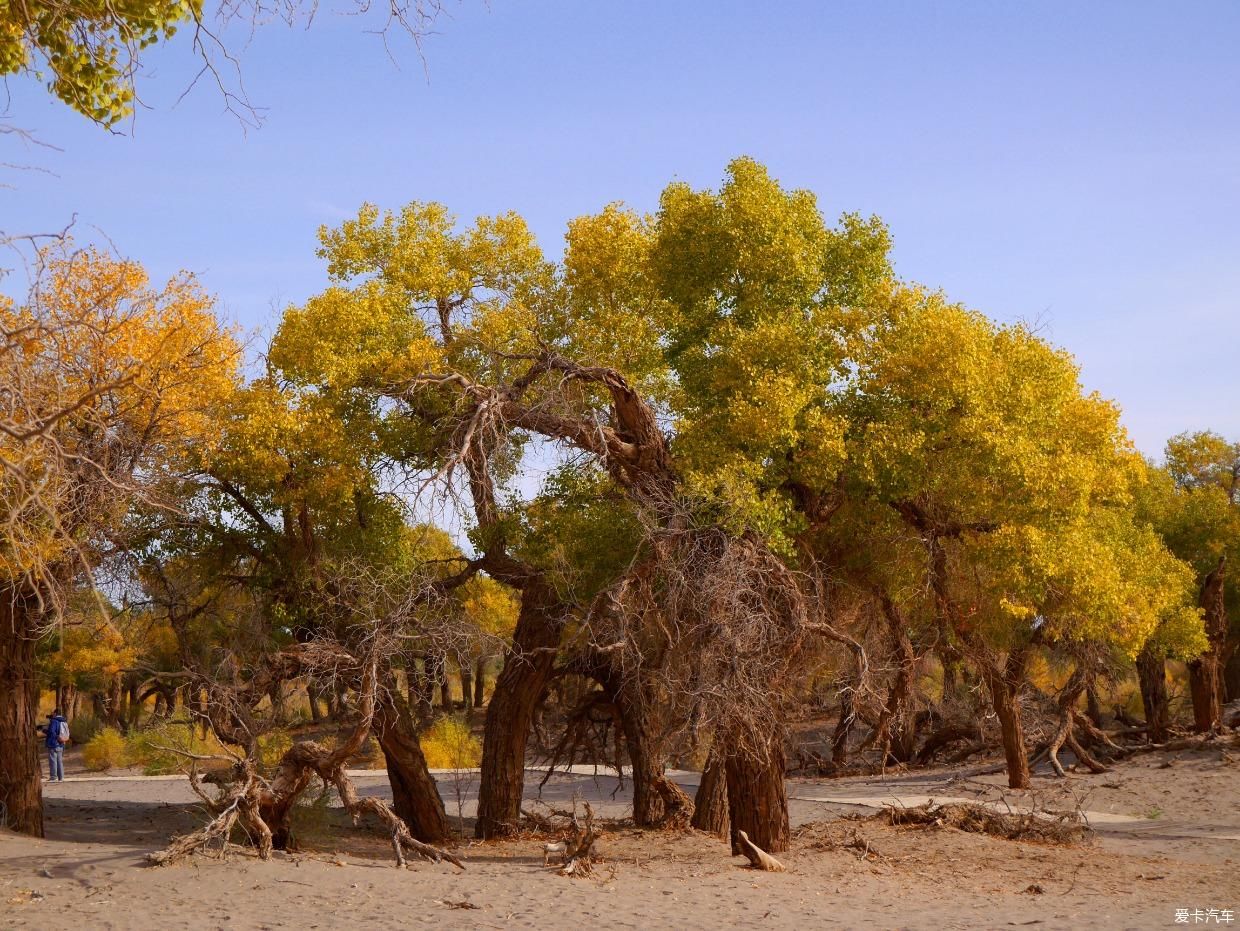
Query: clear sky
[1074, 164]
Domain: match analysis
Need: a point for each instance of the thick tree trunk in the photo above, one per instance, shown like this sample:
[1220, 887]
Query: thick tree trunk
[21, 794]
[527, 667]
[1152, 674]
[275, 695]
[1205, 674]
[757, 799]
[1007, 707]
[415, 796]
[1005, 686]
[710, 804]
[133, 706]
[437, 674]
[644, 759]
[1093, 707]
[480, 682]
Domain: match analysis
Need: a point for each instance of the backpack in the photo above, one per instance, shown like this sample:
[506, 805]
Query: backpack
[63, 735]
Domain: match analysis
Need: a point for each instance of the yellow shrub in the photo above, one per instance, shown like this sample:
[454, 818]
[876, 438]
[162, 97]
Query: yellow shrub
[448, 744]
[104, 751]
[146, 748]
[271, 747]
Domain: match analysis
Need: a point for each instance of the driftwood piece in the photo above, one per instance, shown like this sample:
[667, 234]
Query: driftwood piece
[579, 855]
[759, 859]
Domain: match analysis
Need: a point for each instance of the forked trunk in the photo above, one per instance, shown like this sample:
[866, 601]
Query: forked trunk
[1152, 674]
[757, 799]
[527, 667]
[21, 795]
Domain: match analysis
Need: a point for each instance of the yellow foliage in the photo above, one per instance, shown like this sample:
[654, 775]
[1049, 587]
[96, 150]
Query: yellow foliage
[106, 750]
[449, 744]
[146, 748]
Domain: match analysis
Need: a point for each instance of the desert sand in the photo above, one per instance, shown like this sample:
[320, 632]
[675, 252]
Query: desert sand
[1166, 837]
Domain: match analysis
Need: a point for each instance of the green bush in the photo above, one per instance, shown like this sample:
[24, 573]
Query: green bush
[449, 744]
[106, 750]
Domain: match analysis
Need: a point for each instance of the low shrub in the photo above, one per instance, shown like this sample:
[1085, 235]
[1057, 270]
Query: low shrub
[106, 750]
[154, 749]
[449, 744]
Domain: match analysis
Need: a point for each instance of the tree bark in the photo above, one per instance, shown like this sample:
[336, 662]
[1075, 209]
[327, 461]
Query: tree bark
[1152, 674]
[1205, 679]
[421, 693]
[527, 667]
[480, 681]
[415, 795]
[710, 804]
[1005, 686]
[757, 799]
[312, 696]
[644, 759]
[437, 673]
[21, 793]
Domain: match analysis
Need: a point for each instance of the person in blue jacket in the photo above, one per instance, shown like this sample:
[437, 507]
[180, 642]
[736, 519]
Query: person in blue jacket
[55, 734]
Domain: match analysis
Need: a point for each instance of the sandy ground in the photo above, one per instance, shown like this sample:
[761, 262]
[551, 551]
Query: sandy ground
[1167, 837]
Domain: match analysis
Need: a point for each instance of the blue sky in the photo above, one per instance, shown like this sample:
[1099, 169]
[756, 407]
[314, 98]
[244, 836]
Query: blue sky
[1073, 164]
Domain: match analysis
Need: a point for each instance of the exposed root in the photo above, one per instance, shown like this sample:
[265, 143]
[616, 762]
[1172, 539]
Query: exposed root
[677, 806]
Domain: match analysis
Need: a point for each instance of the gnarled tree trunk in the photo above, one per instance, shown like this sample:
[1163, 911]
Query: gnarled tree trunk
[638, 731]
[1205, 674]
[1152, 675]
[757, 798]
[527, 667]
[710, 804]
[1005, 686]
[415, 796]
[21, 794]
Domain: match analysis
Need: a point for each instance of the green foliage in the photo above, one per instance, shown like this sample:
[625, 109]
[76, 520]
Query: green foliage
[106, 750]
[85, 727]
[449, 744]
[155, 748]
[271, 748]
[87, 52]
